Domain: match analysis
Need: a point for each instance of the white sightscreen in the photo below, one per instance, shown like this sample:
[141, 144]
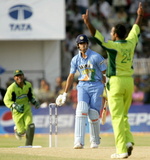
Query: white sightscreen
[32, 19]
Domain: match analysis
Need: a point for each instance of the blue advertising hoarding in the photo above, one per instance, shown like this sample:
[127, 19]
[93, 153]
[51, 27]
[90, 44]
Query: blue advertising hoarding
[139, 119]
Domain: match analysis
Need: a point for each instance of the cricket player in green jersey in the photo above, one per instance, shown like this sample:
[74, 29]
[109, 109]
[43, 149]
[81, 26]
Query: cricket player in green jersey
[120, 51]
[18, 98]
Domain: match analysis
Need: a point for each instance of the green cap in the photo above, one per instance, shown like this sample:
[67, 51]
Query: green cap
[17, 72]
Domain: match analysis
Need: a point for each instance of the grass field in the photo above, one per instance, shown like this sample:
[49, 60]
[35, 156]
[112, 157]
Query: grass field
[9, 148]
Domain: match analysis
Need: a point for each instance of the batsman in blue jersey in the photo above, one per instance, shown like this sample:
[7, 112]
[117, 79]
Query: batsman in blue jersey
[90, 88]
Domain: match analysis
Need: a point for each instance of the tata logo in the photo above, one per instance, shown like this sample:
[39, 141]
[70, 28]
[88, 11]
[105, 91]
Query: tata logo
[20, 12]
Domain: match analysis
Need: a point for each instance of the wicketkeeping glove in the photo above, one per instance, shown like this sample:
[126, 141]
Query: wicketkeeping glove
[18, 107]
[61, 99]
[35, 103]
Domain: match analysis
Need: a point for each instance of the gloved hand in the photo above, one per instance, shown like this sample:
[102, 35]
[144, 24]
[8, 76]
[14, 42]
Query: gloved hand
[61, 99]
[18, 107]
[35, 103]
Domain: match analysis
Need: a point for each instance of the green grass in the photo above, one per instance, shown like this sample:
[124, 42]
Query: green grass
[9, 148]
[66, 140]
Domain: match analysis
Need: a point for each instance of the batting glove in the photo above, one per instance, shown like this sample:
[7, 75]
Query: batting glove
[18, 107]
[61, 99]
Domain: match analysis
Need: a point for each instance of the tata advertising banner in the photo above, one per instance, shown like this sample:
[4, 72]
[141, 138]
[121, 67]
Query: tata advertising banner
[139, 119]
[32, 19]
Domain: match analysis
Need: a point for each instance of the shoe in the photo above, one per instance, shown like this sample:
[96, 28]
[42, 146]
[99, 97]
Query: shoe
[119, 156]
[94, 145]
[78, 146]
[129, 148]
[17, 135]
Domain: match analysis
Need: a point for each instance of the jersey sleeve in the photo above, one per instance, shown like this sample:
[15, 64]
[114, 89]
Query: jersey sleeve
[101, 63]
[30, 92]
[73, 67]
[109, 45]
[8, 97]
[134, 33]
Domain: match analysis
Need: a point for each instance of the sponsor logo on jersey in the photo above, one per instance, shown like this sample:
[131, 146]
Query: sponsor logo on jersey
[22, 96]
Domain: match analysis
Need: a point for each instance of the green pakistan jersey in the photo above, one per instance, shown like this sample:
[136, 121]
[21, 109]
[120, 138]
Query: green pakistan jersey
[19, 95]
[120, 53]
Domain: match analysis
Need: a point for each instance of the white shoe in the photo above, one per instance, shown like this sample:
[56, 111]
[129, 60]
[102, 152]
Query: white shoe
[129, 148]
[119, 156]
[17, 135]
[78, 146]
[94, 145]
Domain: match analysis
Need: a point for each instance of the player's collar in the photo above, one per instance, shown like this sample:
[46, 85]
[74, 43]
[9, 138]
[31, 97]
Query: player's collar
[121, 41]
[86, 53]
[18, 85]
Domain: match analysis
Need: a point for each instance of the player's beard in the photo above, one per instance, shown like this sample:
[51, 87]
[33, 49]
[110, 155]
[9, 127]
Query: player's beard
[20, 81]
[83, 49]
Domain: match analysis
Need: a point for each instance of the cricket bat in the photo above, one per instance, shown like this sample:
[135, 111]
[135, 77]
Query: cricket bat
[104, 112]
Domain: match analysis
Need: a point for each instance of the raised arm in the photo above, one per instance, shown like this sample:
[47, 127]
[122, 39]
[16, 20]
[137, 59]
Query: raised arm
[140, 14]
[86, 20]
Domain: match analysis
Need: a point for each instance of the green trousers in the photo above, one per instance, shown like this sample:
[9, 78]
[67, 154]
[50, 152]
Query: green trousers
[22, 120]
[119, 99]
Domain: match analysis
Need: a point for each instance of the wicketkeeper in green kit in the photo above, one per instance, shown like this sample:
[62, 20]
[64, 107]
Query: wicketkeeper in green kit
[120, 51]
[18, 98]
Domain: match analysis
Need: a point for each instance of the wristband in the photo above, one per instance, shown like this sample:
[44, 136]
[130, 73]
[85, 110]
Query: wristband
[104, 108]
[13, 105]
[65, 94]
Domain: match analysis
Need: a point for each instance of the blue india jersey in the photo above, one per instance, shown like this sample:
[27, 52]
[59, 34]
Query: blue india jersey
[89, 68]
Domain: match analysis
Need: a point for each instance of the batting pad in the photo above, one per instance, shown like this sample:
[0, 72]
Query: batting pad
[80, 122]
[94, 126]
[30, 134]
